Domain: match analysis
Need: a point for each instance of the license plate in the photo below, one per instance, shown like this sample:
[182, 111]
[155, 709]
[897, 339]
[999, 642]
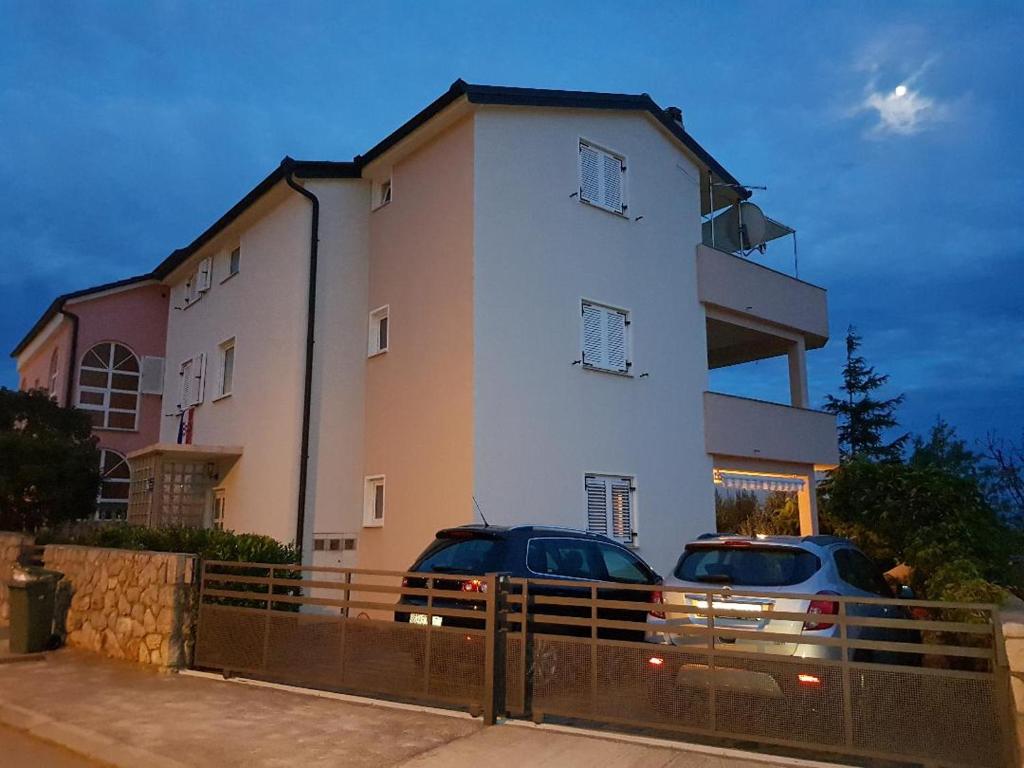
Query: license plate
[421, 618]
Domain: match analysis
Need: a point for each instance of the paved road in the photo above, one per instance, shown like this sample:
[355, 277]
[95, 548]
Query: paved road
[22, 751]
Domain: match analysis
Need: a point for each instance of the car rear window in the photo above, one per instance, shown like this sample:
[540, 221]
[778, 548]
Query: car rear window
[463, 555]
[747, 566]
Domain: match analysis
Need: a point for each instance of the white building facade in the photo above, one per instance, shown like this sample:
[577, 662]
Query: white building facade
[513, 313]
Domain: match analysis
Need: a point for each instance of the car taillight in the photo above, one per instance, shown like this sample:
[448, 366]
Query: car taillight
[659, 599]
[823, 608]
[405, 581]
[474, 585]
[809, 681]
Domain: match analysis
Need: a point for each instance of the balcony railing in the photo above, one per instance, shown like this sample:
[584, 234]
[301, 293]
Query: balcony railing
[739, 285]
[741, 427]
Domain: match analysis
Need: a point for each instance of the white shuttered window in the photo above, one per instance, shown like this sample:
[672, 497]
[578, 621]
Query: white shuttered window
[192, 373]
[610, 506]
[605, 338]
[602, 178]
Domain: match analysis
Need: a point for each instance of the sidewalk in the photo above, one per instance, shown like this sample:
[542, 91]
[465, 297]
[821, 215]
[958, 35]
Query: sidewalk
[125, 715]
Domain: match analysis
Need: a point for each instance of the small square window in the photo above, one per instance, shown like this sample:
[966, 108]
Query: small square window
[226, 372]
[219, 502]
[335, 545]
[380, 331]
[382, 193]
[318, 545]
[235, 261]
[349, 544]
[373, 502]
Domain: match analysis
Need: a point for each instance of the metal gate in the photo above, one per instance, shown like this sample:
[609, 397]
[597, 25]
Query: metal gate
[335, 629]
[941, 701]
[510, 647]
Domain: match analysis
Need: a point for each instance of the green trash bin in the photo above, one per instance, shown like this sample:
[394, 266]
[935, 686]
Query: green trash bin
[32, 592]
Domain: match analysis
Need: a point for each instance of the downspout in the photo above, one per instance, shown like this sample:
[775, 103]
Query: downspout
[307, 394]
[69, 391]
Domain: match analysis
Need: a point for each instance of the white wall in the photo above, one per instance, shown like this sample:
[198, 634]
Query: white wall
[334, 503]
[264, 308]
[540, 422]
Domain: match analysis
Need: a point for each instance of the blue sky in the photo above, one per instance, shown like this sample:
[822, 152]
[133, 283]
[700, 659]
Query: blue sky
[127, 128]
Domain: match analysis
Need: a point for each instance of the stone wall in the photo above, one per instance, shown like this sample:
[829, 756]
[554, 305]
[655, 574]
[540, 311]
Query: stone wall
[125, 604]
[10, 548]
[1013, 633]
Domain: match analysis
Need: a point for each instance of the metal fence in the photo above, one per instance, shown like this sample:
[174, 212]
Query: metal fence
[335, 629]
[552, 650]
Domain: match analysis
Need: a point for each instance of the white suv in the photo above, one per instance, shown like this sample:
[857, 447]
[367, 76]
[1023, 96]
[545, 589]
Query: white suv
[820, 566]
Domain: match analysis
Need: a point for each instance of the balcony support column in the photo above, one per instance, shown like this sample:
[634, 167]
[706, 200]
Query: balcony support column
[807, 503]
[798, 374]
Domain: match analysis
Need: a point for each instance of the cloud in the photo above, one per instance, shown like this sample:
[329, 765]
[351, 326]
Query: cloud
[901, 107]
[904, 111]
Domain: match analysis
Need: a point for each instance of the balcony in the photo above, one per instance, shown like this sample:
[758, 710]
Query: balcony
[753, 429]
[735, 288]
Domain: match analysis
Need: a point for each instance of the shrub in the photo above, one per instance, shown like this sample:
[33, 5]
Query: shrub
[207, 543]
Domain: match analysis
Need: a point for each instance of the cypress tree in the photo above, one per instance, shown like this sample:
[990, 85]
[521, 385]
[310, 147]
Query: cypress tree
[863, 417]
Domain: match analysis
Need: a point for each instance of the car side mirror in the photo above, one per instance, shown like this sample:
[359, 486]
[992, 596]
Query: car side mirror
[905, 592]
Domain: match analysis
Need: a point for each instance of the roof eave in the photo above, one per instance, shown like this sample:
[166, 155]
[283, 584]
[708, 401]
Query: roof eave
[303, 169]
[58, 304]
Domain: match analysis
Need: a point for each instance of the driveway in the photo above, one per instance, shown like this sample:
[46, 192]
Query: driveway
[126, 714]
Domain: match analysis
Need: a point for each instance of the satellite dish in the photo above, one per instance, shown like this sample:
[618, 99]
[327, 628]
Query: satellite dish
[726, 228]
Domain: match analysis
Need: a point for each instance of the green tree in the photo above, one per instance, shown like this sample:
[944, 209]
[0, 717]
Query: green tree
[945, 449]
[49, 465]
[732, 510]
[863, 418]
[934, 520]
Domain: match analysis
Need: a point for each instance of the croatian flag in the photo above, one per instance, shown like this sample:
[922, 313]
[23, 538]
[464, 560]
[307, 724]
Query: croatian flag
[185, 427]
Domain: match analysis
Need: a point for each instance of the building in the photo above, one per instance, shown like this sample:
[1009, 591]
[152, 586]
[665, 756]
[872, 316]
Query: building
[505, 309]
[102, 349]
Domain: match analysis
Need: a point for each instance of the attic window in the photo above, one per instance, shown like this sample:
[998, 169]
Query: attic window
[382, 193]
[602, 178]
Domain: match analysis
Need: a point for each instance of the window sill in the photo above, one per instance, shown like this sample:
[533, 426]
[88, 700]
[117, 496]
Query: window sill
[218, 398]
[224, 280]
[621, 214]
[378, 206]
[373, 524]
[620, 374]
[378, 353]
[114, 429]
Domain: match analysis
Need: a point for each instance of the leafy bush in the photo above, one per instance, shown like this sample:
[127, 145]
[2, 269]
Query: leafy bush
[934, 520]
[207, 543]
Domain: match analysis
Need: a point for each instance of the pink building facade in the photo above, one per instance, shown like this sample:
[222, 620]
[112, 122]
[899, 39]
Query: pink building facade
[102, 350]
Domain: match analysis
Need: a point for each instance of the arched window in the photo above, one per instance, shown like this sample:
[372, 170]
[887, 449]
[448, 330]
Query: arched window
[54, 362]
[116, 478]
[108, 386]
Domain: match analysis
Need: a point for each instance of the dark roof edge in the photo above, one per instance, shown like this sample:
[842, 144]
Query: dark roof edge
[324, 169]
[539, 97]
[531, 97]
[58, 304]
[305, 169]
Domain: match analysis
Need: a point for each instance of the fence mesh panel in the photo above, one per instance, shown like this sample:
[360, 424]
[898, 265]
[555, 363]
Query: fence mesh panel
[944, 701]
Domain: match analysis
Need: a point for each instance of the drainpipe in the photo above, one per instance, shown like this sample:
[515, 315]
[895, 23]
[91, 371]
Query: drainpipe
[69, 391]
[307, 394]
